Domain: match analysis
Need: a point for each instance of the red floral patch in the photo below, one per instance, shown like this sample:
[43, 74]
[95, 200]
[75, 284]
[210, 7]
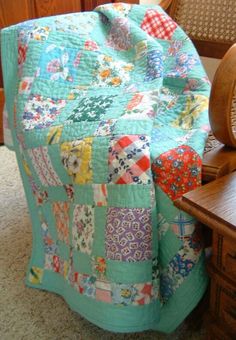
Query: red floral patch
[177, 171]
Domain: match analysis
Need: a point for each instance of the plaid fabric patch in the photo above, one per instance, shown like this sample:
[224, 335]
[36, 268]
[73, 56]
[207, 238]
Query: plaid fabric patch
[129, 160]
[158, 25]
[183, 225]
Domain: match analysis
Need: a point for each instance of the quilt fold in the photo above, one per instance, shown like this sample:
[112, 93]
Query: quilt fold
[107, 112]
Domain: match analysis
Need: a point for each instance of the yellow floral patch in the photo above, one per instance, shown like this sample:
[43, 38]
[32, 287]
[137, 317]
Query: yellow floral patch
[111, 72]
[195, 105]
[26, 168]
[105, 73]
[99, 266]
[54, 135]
[77, 158]
[128, 67]
[35, 275]
[116, 81]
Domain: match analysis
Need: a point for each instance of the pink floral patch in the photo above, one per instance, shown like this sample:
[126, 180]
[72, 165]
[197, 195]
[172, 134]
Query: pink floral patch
[61, 213]
[83, 228]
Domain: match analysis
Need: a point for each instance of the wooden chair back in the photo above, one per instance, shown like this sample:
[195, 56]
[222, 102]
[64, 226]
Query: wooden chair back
[211, 25]
[222, 107]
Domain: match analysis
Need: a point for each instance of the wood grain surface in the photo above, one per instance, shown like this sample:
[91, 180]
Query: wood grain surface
[217, 199]
[222, 94]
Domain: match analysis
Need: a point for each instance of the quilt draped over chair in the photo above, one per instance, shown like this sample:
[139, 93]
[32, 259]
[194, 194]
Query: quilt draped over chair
[107, 112]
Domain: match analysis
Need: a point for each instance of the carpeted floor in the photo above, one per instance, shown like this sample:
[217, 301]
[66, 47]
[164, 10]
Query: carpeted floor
[29, 314]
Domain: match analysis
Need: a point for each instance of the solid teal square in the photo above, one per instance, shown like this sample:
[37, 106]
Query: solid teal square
[77, 131]
[35, 137]
[55, 156]
[34, 51]
[169, 245]
[82, 263]
[129, 272]
[83, 194]
[165, 205]
[56, 193]
[133, 127]
[44, 88]
[129, 195]
[100, 159]
[100, 215]
[63, 250]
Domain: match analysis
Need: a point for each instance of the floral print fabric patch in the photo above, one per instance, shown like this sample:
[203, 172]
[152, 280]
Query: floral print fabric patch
[129, 160]
[59, 63]
[100, 194]
[86, 285]
[195, 105]
[155, 65]
[177, 171]
[137, 294]
[119, 36]
[83, 228]
[76, 158]
[111, 72]
[36, 275]
[40, 112]
[99, 266]
[184, 63]
[142, 106]
[61, 213]
[128, 234]
[105, 127]
[181, 264]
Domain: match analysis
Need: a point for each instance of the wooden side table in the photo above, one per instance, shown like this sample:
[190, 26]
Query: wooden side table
[214, 204]
[218, 161]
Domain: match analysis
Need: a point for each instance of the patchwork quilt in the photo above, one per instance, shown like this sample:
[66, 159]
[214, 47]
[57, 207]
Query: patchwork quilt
[107, 114]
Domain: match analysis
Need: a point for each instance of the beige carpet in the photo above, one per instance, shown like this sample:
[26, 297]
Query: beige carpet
[30, 314]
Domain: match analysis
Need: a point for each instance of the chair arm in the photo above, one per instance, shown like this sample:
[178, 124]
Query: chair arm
[222, 106]
[165, 4]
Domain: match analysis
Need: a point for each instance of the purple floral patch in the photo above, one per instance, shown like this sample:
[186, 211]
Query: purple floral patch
[119, 36]
[128, 234]
[184, 63]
